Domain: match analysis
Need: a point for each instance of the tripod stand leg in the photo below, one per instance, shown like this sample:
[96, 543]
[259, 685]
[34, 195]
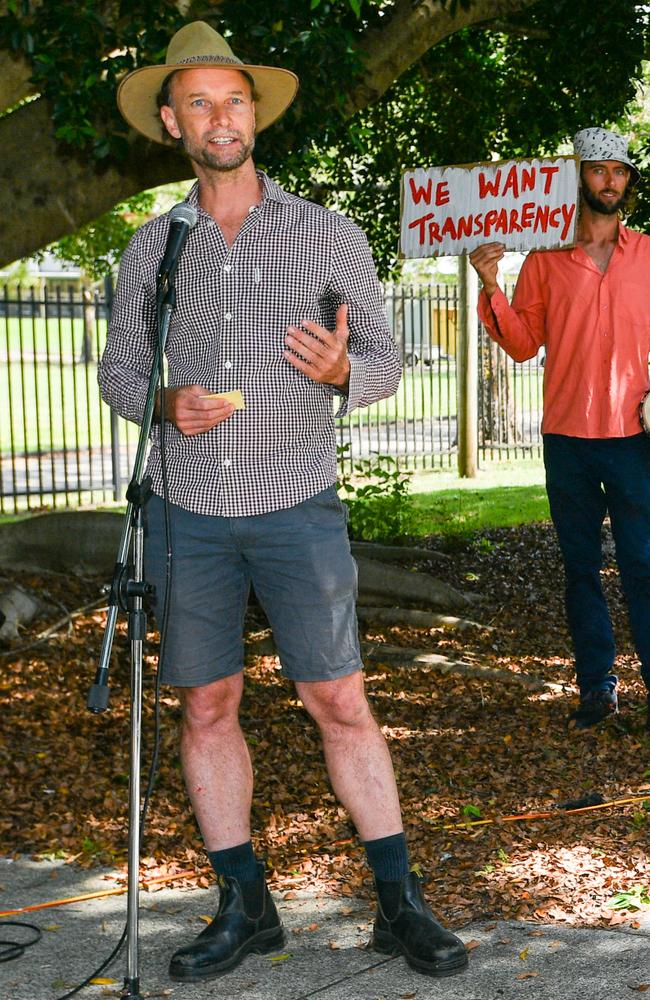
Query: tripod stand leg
[137, 635]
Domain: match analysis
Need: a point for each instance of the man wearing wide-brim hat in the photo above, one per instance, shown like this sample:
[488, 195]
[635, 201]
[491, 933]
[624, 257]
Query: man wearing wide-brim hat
[589, 307]
[279, 315]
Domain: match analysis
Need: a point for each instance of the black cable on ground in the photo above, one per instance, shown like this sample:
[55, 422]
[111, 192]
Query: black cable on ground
[93, 975]
[16, 949]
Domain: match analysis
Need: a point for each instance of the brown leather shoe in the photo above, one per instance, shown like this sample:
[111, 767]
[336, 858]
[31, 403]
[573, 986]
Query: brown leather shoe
[414, 932]
[232, 935]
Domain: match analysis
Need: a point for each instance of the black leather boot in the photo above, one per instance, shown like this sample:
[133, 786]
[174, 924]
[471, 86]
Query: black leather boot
[412, 930]
[233, 934]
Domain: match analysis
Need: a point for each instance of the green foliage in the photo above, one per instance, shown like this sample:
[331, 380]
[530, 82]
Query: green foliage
[632, 899]
[97, 247]
[471, 812]
[377, 498]
[514, 88]
[78, 52]
[480, 93]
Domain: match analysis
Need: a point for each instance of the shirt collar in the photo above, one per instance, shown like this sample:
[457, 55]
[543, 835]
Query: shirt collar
[578, 254]
[270, 191]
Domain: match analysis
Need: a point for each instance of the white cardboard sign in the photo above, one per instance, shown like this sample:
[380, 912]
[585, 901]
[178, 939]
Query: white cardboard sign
[525, 204]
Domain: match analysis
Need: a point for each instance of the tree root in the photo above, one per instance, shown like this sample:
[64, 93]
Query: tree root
[417, 618]
[405, 656]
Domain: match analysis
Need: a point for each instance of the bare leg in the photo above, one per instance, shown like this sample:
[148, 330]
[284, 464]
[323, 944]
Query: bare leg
[356, 754]
[216, 762]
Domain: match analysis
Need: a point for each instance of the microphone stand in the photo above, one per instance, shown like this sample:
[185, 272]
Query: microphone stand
[127, 593]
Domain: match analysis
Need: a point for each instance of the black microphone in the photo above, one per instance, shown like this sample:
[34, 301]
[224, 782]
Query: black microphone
[182, 218]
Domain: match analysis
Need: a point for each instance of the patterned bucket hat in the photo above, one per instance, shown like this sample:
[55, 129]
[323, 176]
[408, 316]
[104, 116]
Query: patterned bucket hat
[599, 144]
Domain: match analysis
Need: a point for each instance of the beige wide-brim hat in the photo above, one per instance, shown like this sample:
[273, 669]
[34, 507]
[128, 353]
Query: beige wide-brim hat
[197, 44]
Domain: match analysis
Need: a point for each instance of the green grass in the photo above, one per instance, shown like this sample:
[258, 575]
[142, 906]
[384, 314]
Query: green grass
[54, 337]
[502, 495]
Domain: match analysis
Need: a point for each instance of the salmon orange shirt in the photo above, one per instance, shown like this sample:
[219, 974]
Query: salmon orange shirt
[595, 328]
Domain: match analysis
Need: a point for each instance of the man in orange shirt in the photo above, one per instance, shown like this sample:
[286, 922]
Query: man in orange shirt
[590, 307]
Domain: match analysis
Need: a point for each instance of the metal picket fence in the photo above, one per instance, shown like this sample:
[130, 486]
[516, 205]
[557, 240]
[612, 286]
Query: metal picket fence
[60, 445]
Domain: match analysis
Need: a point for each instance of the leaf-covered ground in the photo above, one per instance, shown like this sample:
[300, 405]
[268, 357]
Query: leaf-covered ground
[464, 750]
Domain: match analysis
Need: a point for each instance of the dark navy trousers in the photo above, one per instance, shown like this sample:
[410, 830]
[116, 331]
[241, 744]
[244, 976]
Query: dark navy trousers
[587, 478]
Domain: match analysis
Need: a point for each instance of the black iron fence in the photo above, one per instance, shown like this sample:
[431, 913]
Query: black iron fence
[61, 446]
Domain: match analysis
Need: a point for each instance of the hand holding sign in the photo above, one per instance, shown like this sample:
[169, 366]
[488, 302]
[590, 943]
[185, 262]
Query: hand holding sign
[485, 261]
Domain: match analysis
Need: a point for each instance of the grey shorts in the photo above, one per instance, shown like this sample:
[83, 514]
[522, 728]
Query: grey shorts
[299, 562]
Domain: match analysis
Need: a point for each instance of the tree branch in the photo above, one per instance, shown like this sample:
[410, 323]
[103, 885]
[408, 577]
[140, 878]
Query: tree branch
[15, 83]
[16, 70]
[410, 32]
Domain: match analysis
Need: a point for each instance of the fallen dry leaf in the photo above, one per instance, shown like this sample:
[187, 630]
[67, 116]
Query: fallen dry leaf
[455, 742]
[527, 975]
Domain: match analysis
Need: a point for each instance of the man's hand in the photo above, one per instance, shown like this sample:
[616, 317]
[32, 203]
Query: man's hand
[485, 261]
[322, 355]
[191, 414]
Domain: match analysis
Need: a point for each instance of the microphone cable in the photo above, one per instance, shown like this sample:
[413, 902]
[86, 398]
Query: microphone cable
[16, 949]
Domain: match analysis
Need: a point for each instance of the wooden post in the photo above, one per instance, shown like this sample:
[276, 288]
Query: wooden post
[467, 369]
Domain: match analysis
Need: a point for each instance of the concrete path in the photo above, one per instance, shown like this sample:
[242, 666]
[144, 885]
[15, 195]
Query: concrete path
[325, 954]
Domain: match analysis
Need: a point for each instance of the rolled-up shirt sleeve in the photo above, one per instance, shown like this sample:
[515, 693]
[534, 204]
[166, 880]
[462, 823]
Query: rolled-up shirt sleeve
[126, 363]
[375, 366]
[520, 328]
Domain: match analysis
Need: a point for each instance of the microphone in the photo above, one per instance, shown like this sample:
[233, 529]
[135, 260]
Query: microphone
[182, 218]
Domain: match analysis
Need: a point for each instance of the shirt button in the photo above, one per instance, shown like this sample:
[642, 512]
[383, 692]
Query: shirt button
[228, 316]
[227, 463]
[227, 364]
[227, 268]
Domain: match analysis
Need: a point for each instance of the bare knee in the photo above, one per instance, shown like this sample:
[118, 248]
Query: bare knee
[338, 703]
[212, 706]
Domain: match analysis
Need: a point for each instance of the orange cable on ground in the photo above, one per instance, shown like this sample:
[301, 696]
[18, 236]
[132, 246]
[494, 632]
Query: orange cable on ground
[161, 879]
[100, 894]
[548, 814]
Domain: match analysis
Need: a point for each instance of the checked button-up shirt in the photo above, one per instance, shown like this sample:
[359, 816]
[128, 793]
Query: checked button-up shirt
[292, 260]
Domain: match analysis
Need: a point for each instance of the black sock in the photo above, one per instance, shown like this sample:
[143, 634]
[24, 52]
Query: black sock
[241, 864]
[388, 857]
[237, 862]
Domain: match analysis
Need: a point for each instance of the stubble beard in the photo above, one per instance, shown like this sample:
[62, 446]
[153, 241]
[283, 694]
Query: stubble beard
[218, 160]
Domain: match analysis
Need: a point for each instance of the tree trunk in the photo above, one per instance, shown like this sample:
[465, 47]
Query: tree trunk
[89, 317]
[47, 190]
[496, 404]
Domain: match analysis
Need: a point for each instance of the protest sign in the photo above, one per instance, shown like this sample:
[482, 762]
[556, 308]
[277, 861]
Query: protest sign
[524, 204]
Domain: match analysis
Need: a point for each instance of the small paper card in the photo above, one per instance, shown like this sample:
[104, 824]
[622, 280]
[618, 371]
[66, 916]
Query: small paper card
[235, 397]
